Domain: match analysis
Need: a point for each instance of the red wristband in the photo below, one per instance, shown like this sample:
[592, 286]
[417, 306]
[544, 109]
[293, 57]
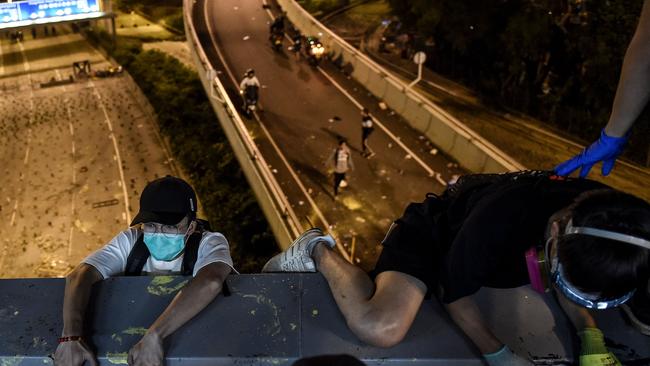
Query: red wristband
[69, 339]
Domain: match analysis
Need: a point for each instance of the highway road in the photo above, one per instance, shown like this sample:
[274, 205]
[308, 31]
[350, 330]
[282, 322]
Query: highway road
[305, 111]
[75, 157]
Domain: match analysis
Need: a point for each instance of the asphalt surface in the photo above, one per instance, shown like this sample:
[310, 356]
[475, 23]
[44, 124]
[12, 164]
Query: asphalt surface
[75, 157]
[305, 113]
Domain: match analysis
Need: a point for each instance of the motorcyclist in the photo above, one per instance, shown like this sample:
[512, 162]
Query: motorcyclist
[278, 25]
[249, 80]
[297, 44]
[249, 88]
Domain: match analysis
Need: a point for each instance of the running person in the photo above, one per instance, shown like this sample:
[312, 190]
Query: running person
[476, 235]
[366, 129]
[342, 162]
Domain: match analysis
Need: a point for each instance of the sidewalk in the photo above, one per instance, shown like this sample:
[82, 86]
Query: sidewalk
[531, 142]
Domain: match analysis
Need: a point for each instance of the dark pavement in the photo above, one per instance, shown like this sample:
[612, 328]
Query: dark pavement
[300, 103]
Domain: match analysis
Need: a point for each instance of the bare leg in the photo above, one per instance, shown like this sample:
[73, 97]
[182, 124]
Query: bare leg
[379, 313]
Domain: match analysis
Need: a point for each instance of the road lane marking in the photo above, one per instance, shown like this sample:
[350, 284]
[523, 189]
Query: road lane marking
[13, 215]
[29, 140]
[26, 65]
[118, 157]
[74, 174]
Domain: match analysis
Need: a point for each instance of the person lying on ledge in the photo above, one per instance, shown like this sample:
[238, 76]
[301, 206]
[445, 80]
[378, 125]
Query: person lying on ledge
[486, 231]
[164, 238]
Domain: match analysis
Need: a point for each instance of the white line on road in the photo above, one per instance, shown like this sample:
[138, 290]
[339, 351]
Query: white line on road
[29, 140]
[26, 65]
[13, 215]
[127, 214]
[427, 168]
[74, 175]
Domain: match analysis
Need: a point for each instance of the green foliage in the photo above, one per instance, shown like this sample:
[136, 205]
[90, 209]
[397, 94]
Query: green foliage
[319, 7]
[187, 121]
[526, 55]
[176, 22]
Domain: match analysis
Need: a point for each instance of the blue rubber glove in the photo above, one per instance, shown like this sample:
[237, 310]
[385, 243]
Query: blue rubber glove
[505, 357]
[606, 149]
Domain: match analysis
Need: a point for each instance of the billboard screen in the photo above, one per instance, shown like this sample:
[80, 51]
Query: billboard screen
[27, 12]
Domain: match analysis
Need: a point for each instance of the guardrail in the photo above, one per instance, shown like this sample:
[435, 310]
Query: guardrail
[449, 134]
[279, 214]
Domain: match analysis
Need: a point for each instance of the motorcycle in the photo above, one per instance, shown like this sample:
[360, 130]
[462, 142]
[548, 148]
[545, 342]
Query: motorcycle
[276, 41]
[250, 95]
[315, 51]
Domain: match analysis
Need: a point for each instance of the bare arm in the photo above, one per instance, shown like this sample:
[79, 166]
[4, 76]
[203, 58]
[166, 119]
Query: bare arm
[193, 298]
[633, 92]
[77, 293]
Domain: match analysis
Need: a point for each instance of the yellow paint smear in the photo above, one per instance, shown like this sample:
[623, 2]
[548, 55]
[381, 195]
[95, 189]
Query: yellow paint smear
[135, 331]
[160, 286]
[117, 358]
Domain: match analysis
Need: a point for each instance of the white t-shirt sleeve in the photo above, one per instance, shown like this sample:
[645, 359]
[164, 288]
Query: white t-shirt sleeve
[213, 248]
[111, 259]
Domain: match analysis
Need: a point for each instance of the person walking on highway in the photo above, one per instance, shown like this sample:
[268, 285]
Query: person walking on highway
[366, 129]
[341, 161]
[165, 237]
[488, 230]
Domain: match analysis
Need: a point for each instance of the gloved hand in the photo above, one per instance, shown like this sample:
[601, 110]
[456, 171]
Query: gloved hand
[593, 351]
[505, 357]
[606, 149]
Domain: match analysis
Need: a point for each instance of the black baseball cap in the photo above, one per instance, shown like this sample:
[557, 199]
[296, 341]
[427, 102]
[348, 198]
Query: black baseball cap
[166, 201]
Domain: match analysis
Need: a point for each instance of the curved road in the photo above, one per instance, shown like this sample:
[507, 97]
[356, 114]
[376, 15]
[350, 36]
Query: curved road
[305, 111]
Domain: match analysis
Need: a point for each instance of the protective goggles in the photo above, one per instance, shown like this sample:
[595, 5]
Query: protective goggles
[559, 278]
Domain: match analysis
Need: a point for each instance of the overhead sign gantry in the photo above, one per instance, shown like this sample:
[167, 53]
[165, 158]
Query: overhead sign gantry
[33, 12]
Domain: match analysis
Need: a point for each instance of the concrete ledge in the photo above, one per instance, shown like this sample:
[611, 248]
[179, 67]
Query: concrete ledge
[473, 153]
[274, 319]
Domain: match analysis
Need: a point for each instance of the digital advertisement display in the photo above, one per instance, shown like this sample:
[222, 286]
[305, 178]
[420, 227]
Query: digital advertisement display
[22, 13]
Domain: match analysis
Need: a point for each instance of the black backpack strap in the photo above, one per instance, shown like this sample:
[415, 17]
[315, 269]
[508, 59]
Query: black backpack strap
[191, 253]
[137, 258]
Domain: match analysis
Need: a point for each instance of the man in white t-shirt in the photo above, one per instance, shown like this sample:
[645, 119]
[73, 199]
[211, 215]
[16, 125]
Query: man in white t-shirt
[165, 237]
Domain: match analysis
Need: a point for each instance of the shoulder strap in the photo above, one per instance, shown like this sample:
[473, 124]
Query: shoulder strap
[137, 258]
[192, 247]
[191, 253]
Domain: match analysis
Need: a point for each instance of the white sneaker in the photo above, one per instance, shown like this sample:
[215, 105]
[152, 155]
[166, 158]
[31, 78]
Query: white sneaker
[297, 258]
